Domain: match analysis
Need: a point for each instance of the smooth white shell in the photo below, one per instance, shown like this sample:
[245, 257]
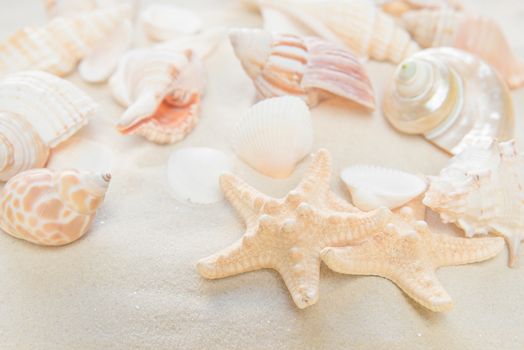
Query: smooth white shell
[163, 22]
[274, 135]
[372, 187]
[193, 174]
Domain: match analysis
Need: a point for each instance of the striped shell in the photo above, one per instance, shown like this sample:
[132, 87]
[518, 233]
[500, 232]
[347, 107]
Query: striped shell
[309, 68]
[38, 111]
[478, 35]
[59, 45]
[358, 24]
[51, 208]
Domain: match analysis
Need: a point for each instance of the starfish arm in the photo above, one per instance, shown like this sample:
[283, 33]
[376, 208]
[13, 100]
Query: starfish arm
[362, 259]
[238, 258]
[318, 174]
[336, 203]
[447, 250]
[245, 199]
[302, 279]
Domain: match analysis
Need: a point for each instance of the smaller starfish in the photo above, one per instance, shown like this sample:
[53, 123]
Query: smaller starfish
[288, 234]
[408, 253]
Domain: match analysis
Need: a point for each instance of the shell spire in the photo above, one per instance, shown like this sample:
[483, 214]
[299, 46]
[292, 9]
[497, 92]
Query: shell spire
[306, 67]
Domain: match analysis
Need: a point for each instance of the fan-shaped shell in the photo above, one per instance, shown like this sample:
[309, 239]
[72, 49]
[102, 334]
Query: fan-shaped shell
[358, 24]
[478, 35]
[372, 187]
[162, 22]
[51, 208]
[59, 45]
[274, 135]
[482, 190]
[309, 68]
[451, 97]
[38, 111]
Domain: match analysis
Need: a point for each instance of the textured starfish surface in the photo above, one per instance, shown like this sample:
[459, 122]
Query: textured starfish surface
[408, 253]
[288, 234]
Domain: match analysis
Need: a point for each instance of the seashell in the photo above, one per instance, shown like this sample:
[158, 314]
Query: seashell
[274, 135]
[450, 96]
[61, 8]
[193, 174]
[399, 7]
[358, 24]
[161, 89]
[59, 45]
[478, 35]
[481, 190]
[38, 111]
[51, 208]
[98, 66]
[309, 68]
[162, 22]
[372, 187]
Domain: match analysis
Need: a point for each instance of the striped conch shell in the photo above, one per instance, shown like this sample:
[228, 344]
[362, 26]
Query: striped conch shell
[38, 111]
[478, 35]
[59, 45]
[51, 208]
[309, 68]
[358, 24]
[399, 7]
[451, 97]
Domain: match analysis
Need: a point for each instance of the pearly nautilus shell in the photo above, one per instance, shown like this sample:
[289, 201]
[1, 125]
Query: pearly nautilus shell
[358, 24]
[58, 46]
[51, 208]
[481, 190]
[38, 111]
[451, 97]
[476, 34]
[306, 67]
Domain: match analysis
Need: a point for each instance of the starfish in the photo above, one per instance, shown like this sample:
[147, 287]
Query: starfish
[408, 253]
[288, 234]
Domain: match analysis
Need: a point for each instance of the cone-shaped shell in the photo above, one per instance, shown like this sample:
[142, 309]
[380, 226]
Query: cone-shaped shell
[478, 35]
[274, 135]
[38, 111]
[309, 68]
[367, 31]
[51, 208]
[59, 45]
[450, 96]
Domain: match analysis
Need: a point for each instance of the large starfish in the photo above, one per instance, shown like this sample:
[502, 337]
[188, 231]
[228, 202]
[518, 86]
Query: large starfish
[288, 234]
[408, 253]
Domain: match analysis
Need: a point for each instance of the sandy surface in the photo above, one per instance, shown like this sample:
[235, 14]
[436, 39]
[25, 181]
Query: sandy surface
[131, 283]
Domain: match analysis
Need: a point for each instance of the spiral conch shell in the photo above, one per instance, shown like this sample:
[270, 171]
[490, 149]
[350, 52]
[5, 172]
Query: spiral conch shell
[51, 208]
[358, 24]
[478, 35]
[452, 97]
[38, 111]
[59, 45]
[309, 68]
[482, 191]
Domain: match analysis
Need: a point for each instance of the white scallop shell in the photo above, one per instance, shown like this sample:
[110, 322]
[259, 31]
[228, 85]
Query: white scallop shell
[274, 135]
[451, 97]
[193, 174]
[38, 111]
[164, 21]
[372, 187]
[60, 44]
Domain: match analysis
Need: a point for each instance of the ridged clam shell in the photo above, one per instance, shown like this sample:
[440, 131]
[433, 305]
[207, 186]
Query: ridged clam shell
[58, 46]
[274, 135]
[450, 96]
[478, 35]
[38, 111]
[367, 31]
[372, 187]
[481, 190]
[399, 7]
[309, 68]
[51, 208]
[162, 22]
